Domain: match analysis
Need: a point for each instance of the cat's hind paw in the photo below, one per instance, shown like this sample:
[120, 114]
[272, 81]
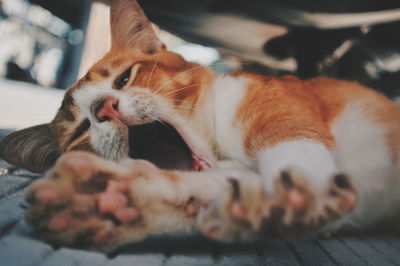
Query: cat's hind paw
[246, 212]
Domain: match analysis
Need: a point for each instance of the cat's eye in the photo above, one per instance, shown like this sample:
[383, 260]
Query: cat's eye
[127, 76]
[121, 81]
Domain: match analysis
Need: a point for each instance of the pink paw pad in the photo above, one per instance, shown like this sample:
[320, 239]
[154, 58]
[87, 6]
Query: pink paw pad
[116, 203]
[80, 165]
[116, 186]
[47, 195]
[110, 202]
[59, 223]
[127, 215]
[297, 200]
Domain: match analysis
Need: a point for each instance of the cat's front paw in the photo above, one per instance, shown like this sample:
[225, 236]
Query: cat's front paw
[245, 212]
[89, 202]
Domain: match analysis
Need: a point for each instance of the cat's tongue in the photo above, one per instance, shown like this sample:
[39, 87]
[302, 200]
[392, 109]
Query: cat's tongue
[199, 164]
[196, 164]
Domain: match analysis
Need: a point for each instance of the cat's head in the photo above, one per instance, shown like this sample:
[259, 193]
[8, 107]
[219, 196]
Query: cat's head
[136, 102]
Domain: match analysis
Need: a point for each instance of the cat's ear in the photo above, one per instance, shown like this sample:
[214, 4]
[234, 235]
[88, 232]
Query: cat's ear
[34, 148]
[130, 28]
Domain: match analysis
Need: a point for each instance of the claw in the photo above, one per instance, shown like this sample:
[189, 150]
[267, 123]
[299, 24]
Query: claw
[342, 181]
[297, 200]
[235, 188]
[287, 180]
[192, 207]
[238, 211]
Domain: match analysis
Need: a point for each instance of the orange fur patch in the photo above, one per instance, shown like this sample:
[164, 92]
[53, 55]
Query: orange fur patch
[281, 109]
[337, 94]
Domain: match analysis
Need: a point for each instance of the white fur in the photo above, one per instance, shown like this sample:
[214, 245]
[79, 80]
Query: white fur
[313, 159]
[109, 141]
[363, 154]
[228, 94]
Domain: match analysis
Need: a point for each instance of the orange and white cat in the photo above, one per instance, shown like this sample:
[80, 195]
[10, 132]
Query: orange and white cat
[236, 157]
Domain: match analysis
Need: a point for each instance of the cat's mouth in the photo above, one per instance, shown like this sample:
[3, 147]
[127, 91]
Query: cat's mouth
[162, 144]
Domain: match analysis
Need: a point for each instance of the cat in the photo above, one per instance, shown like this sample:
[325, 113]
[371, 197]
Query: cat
[147, 143]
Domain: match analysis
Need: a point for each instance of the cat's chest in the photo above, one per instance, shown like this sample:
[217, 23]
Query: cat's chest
[228, 94]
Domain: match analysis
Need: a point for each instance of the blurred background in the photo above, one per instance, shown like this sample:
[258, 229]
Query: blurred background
[46, 45]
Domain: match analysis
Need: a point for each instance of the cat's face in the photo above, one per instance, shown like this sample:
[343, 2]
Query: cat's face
[134, 102]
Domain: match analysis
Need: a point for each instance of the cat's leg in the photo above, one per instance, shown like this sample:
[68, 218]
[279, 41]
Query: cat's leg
[300, 191]
[94, 203]
[366, 150]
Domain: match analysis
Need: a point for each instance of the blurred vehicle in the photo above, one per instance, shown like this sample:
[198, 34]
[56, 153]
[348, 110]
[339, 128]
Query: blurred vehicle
[40, 46]
[347, 39]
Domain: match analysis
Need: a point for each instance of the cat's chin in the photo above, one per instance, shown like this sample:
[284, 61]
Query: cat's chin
[161, 144]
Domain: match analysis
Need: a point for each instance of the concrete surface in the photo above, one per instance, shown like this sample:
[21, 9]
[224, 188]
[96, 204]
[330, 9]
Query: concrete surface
[18, 247]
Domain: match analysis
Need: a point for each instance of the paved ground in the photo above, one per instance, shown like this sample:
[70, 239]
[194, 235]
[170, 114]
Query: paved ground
[18, 247]
[23, 104]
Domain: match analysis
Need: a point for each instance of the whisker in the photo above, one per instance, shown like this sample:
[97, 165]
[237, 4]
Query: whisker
[155, 118]
[176, 100]
[158, 120]
[152, 71]
[84, 142]
[177, 76]
[183, 88]
[191, 69]
[186, 107]
[179, 102]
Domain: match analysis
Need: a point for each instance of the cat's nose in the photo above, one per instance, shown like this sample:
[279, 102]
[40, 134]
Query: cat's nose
[106, 109]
